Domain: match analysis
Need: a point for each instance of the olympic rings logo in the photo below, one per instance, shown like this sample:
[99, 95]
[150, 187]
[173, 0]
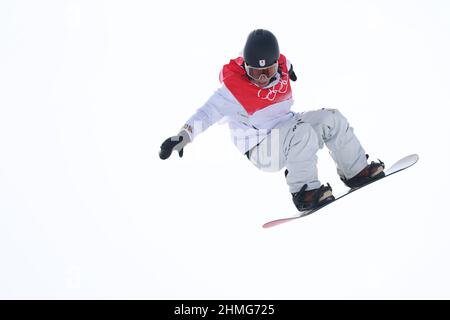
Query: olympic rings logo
[281, 87]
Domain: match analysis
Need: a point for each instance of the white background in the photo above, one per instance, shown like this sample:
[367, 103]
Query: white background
[90, 89]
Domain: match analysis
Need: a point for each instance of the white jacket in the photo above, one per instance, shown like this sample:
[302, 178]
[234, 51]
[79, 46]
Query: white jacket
[246, 130]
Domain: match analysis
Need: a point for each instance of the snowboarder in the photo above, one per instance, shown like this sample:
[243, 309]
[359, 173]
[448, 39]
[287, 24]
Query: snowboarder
[256, 99]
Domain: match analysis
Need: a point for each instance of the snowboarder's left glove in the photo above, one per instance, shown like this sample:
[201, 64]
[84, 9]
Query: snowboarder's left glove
[174, 143]
[292, 74]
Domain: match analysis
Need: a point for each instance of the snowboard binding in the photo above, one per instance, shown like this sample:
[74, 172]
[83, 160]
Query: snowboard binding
[372, 172]
[312, 199]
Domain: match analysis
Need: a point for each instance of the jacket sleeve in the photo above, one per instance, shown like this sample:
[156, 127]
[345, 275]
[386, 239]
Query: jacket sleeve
[205, 116]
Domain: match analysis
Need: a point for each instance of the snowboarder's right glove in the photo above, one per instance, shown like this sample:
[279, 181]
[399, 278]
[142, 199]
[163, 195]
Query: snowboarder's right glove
[174, 143]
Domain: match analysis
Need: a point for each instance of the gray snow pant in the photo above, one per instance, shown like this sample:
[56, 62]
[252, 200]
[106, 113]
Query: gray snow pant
[294, 145]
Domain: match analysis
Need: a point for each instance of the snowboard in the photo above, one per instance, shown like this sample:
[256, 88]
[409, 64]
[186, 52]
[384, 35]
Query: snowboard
[400, 165]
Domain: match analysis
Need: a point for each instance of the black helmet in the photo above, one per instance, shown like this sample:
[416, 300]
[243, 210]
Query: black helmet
[261, 49]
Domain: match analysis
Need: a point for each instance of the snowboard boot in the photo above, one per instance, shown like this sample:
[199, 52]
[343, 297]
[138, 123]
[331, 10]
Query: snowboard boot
[370, 173]
[312, 199]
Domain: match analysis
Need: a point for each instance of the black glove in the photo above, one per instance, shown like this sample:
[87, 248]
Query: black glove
[174, 143]
[292, 74]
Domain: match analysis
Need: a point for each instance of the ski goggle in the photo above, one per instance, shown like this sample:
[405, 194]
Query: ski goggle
[261, 74]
